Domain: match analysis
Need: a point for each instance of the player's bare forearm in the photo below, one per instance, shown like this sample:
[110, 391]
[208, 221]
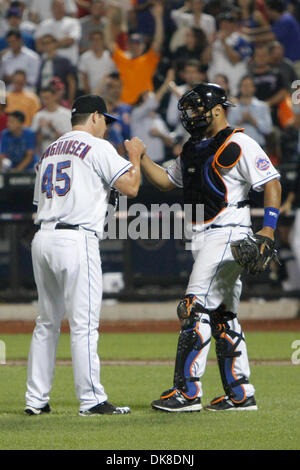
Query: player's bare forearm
[156, 175]
[272, 198]
[129, 183]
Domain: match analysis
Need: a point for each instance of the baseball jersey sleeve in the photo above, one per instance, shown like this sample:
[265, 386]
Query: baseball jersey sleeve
[108, 164]
[36, 187]
[255, 166]
[174, 173]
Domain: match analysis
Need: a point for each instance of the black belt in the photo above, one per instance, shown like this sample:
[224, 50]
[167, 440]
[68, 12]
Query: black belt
[62, 226]
[214, 226]
[225, 226]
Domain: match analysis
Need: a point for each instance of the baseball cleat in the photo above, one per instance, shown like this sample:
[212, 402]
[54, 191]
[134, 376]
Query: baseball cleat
[30, 410]
[177, 402]
[105, 408]
[225, 404]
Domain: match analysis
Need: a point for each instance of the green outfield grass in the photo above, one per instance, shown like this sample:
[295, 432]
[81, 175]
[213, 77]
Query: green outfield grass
[276, 425]
[261, 345]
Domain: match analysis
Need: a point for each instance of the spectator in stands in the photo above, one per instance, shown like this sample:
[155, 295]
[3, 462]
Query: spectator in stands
[293, 201]
[20, 99]
[250, 113]
[254, 26]
[280, 63]
[17, 144]
[269, 84]
[50, 122]
[54, 65]
[83, 8]
[229, 53]
[66, 30]
[42, 10]
[195, 44]
[14, 20]
[149, 126]
[95, 63]
[21, 23]
[138, 67]
[3, 118]
[191, 15]
[19, 57]
[144, 20]
[191, 75]
[59, 89]
[286, 30]
[95, 21]
[223, 81]
[111, 89]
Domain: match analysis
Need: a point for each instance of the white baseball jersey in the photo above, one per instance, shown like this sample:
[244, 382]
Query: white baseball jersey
[215, 277]
[253, 170]
[73, 182]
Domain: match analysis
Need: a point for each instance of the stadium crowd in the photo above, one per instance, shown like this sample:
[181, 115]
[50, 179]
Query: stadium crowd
[141, 56]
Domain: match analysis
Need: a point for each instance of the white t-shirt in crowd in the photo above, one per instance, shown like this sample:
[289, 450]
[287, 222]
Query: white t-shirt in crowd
[26, 60]
[44, 8]
[207, 22]
[65, 28]
[221, 64]
[73, 181]
[96, 67]
[143, 120]
[60, 120]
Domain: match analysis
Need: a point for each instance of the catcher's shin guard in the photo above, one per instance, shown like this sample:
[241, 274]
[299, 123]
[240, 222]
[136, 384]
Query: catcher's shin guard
[227, 342]
[190, 344]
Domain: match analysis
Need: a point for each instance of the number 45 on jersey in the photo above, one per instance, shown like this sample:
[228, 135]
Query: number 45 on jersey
[60, 176]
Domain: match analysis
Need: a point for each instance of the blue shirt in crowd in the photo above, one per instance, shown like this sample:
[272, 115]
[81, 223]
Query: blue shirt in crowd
[15, 148]
[28, 41]
[287, 32]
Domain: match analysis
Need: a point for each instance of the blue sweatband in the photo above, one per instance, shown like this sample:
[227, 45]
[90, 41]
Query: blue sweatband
[271, 217]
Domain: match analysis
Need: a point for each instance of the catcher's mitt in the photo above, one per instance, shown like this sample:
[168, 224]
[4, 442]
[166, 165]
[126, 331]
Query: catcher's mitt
[247, 253]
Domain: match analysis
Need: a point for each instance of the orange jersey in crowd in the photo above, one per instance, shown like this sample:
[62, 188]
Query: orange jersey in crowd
[26, 102]
[136, 74]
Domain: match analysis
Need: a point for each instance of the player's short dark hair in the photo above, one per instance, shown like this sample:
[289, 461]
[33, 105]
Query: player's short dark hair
[78, 119]
[245, 77]
[192, 63]
[20, 72]
[114, 76]
[48, 89]
[19, 115]
[14, 33]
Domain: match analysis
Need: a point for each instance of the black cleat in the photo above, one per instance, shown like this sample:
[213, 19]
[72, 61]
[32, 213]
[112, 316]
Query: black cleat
[177, 402]
[105, 408]
[224, 403]
[30, 410]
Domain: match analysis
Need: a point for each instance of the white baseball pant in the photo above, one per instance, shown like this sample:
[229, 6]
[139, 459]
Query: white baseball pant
[67, 272]
[215, 280]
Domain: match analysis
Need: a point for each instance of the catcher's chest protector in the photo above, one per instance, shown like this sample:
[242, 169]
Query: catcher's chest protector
[202, 181]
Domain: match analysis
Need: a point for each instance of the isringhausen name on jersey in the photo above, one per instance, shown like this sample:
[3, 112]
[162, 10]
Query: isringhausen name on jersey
[67, 147]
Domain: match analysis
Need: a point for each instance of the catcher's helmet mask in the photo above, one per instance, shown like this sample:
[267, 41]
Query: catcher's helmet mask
[195, 105]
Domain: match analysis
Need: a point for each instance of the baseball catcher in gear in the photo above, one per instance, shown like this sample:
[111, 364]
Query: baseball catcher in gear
[254, 253]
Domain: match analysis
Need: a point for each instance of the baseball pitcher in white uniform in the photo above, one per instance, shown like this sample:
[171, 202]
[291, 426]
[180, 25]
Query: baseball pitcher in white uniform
[217, 167]
[73, 183]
